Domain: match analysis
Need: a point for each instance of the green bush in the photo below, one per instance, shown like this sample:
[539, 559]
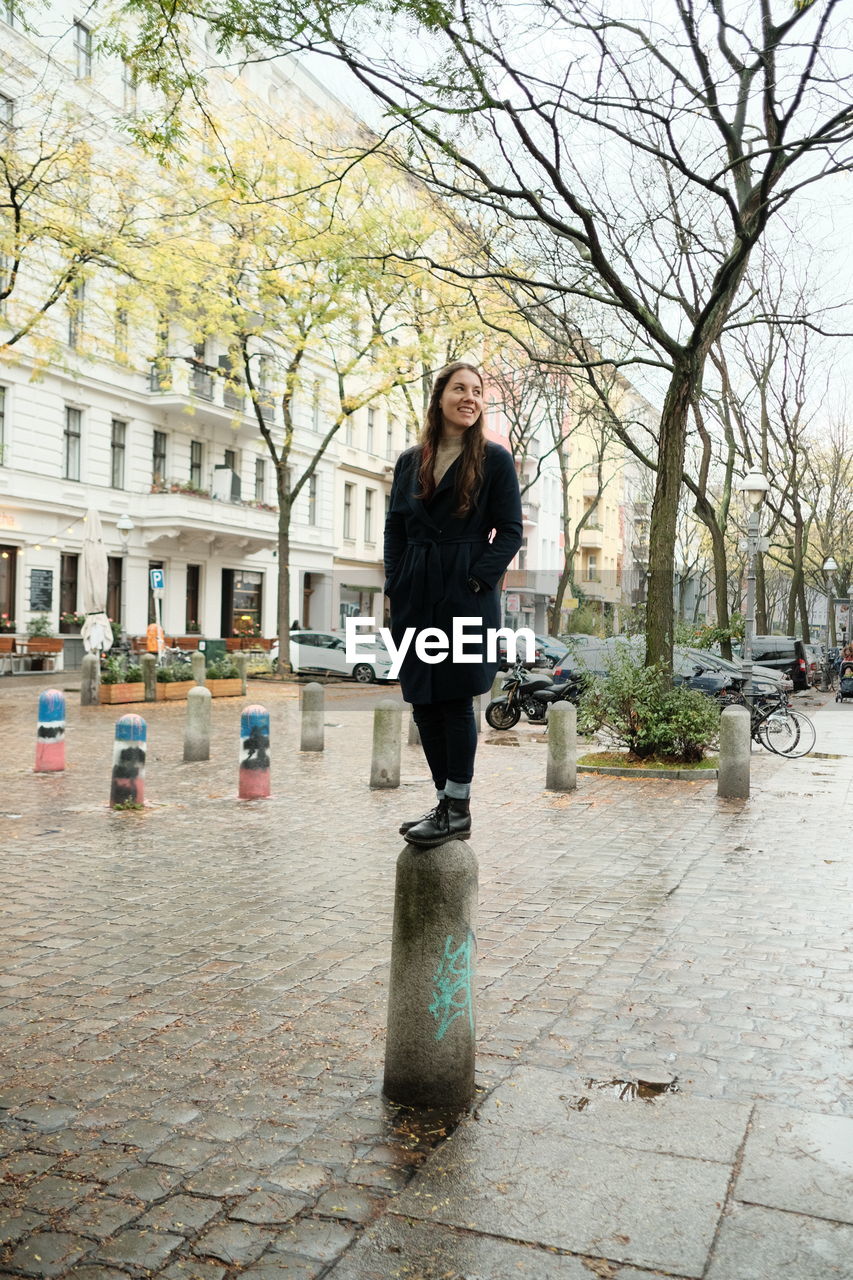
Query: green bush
[584, 621]
[174, 672]
[222, 669]
[114, 670]
[639, 708]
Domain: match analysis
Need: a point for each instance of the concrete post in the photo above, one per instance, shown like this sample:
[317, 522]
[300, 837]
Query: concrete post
[199, 666]
[241, 661]
[197, 730]
[387, 733]
[148, 663]
[128, 780]
[254, 753]
[733, 773]
[313, 715]
[430, 1047]
[50, 737]
[562, 770]
[414, 733]
[90, 679]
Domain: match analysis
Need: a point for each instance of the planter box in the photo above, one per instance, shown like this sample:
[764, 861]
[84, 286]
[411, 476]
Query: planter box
[187, 642]
[231, 688]
[174, 690]
[122, 692]
[7, 643]
[43, 644]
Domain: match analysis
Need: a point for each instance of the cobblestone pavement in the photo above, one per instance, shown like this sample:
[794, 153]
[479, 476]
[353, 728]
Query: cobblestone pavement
[192, 996]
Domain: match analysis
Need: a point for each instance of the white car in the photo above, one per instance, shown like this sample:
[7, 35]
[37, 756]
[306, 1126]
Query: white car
[324, 653]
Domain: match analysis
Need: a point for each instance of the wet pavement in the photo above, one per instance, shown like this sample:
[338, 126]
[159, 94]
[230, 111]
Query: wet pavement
[192, 1005]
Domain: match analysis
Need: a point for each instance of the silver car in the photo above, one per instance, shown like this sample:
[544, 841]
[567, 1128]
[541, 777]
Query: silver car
[324, 653]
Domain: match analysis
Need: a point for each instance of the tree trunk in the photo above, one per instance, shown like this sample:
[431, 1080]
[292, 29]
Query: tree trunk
[804, 608]
[284, 514]
[557, 607]
[662, 527]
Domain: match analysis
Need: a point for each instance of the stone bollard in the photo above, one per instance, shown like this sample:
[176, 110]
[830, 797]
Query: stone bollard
[562, 770]
[90, 679]
[254, 753]
[148, 663]
[430, 1046]
[199, 667]
[313, 715]
[197, 731]
[478, 712]
[241, 662]
[387, 734]
[128, 781]
[50, 737]
[733, 773]
[414, 733]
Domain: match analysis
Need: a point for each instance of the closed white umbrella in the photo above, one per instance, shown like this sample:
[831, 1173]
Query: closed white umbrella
[96, 630]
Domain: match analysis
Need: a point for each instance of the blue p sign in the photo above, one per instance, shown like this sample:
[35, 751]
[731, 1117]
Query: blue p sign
[158, 579]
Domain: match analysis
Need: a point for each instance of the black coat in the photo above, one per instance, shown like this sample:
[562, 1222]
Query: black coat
[430, 553]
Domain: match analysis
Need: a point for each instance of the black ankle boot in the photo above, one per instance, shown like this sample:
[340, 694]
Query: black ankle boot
[407, 826]
[450, 820]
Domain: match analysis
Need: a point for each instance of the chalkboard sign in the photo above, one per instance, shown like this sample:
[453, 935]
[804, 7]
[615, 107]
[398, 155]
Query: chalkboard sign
[41, 590]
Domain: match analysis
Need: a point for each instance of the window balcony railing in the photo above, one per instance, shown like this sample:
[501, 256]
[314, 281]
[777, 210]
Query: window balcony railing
[233, 399]
[201, 383]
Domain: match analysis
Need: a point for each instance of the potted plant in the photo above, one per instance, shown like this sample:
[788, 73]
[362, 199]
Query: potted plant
[174, 681]
[223, 679]
[120, 681]
[71, 622]
[246, 633]
[41, 644]
[7, 624]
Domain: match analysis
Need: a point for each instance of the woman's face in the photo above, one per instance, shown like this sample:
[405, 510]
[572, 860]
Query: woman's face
[461, 401]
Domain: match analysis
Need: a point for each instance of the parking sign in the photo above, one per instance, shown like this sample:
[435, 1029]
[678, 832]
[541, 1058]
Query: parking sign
[158, 579]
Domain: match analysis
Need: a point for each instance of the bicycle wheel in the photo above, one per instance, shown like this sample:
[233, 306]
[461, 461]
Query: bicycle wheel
[805, 738]
[779, 732]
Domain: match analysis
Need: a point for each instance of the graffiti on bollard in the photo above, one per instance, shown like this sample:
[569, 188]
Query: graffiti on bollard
[128, 781]
[254, 753]
[50, 738]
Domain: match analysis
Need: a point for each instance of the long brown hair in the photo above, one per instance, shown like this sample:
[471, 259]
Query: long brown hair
[470, 471]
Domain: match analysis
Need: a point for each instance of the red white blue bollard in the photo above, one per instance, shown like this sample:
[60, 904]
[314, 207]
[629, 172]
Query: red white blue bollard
[128, 784]
[254, 753]
[50, 739]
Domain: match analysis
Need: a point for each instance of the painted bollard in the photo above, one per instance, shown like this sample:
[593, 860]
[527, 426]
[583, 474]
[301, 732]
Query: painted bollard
[431, 1029]
[50, 739]
[387, 730]
[128, 783]
[313, 718]
[254, 753]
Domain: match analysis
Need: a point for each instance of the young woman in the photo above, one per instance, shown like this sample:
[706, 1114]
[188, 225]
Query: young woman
[453, 526]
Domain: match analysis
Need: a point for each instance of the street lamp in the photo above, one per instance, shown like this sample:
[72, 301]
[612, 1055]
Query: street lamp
[829, 567]
[754, 487]
[125, 527]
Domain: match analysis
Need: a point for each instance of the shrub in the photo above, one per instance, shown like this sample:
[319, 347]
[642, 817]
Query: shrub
[639, 708]
[174, 672]
[39, 627]
[222, 669]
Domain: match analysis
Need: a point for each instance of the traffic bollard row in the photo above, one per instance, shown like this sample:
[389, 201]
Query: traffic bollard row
[50, 737]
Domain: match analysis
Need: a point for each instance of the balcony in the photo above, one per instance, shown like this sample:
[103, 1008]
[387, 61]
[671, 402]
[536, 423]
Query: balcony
[592, 536]
[530, 511]
[177, 519]
[179, 383]
[590, 485]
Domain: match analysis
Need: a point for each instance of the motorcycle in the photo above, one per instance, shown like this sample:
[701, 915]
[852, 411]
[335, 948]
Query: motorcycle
[531, 694]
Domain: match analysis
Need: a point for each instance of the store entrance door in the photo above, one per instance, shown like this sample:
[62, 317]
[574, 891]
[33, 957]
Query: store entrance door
[8, 569]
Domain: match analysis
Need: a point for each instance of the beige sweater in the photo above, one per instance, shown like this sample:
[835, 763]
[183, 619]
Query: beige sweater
[445, 455]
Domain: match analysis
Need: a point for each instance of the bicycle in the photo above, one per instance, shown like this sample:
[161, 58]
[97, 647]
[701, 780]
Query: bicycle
[774, 724]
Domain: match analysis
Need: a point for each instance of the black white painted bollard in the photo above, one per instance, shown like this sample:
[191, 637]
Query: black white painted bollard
[128, 780]
[254, 754]
[733, 770]
[148, 663]
[90, 680]
[313, 717]
[387, 733]
[199, 667]
[197, 729]
[562, 768]
[50, 736]
[431, 1033]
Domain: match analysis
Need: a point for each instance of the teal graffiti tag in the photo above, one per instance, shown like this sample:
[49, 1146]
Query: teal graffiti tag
[451, 995]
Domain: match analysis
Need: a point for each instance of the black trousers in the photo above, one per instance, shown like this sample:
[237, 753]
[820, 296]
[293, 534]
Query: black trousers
[449, 738]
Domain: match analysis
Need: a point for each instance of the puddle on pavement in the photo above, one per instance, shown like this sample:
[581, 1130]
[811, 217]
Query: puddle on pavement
[622, 1091]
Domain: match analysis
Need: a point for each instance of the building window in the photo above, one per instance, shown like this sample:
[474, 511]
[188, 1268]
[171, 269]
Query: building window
[158, 458]
[114, 572]
[315, 406]
[349, 490]
[117, 444]
[73, 425]
[230, 459]
[191, 621]
[129, 87]
[592, 568]
[7, 111]
[68, 572]
[312, 499]
[83, 50]
[368, 515]
[371, 429]
[2, 425]
[247, 600]
[76, 303]
[260, 479]
[7, 12]
[196, 458]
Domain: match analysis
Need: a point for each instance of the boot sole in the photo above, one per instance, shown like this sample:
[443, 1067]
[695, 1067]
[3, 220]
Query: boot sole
[433, 844]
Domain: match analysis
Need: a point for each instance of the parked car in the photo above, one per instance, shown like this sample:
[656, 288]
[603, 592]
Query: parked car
[324, 653]
[764, 679]
[538, 660]
[553, 649]
[691, 667]
[784, 654]
[814, 663]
